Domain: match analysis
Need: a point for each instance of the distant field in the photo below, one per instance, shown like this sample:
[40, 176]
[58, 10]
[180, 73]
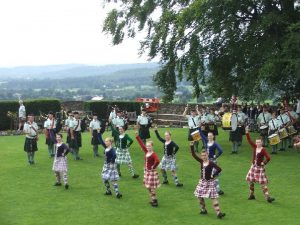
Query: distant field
[28, 197]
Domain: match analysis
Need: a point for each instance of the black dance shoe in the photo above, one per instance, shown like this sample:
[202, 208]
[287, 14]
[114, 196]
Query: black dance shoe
[119, 195]
[251, 197]
[221, 215]
[57, 184]
[203, 212]
[179, 185]
[221, 192]
[165, 182]
[66, 186]
[154, 203]
[107, 193]
[270, 199]
[135, 176]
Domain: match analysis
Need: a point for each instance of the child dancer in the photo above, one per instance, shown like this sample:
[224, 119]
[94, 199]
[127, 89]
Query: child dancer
[31, 131]
[123, 155]
[60, 165]
[109, 170]
[211, 146]
[151, 180]
[256, 173]
[168, 161]
[206, 187]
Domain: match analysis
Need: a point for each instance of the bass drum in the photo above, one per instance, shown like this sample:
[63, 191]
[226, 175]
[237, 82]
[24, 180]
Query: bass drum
[229, 121]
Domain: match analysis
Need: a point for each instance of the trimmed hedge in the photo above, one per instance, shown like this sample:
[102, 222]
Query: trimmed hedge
[32, 106]
[103, 108]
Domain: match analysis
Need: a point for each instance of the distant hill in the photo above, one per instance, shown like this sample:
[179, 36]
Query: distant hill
[69, 70]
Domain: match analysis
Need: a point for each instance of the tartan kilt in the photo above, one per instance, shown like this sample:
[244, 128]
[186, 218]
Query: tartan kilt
[110, 172]
[69, 137]
[76, 142]
[30, 145]
[168, 163]
[236, 136]
[123, 156]
[206, 189]
[95, 139]
[190, 138]
[60, 164]
[144, 132]
[257, 174]
[151, 179]
[50, 140]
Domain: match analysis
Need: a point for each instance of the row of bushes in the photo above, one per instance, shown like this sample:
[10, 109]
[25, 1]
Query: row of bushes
[32, 106]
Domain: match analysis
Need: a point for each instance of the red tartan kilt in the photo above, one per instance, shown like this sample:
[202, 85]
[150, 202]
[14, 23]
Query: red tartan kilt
[206, 189]
[257, 174]
[151, 179]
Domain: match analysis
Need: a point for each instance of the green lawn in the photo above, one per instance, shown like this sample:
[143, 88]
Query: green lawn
[27, 194]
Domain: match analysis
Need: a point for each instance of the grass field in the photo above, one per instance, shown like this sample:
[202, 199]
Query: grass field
[28, 197]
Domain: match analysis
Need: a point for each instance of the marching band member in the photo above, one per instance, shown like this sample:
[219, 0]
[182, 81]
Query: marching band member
[151, 179]
[117, 122]
[256, 173]
[76, 140]
[123, 155]
[242, 118]
[296, 140]
[143, 124]
[50, 131]
[293, 116]
[235, 136]
[95, 129]
[211, 146]
[284, 120]
[32, 136]
[211, 122]
[206, 187]
[168, 161]
[273, 128]
[67, 127]
[22, 115]
[193, 122]
[263, 120]
[109, 170]
[60, 164]
[112, 114]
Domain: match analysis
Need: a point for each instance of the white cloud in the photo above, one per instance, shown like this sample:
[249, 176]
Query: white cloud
[42, 32]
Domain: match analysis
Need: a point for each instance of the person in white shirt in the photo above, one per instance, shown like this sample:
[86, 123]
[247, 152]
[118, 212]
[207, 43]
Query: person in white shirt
[22, 115]
[143, 124]
[284, 121]
[76, 140]
[274, 125]
[193, 123]
[95, 130]
[263, 120]
[67, 127]
[31, 131]
[50, 133]
[116, 123]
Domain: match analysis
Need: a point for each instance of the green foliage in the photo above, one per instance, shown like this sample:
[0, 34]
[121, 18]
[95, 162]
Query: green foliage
[247, 46]
[103, 108]
[32, 106]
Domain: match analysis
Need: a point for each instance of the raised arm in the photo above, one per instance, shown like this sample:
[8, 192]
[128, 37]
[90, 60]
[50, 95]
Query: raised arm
[194, 154]
[185, 111]
[159, 137]
[141, 143]
[249, 140]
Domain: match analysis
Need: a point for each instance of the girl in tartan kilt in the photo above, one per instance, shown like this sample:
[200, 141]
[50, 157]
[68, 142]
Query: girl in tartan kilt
[168, 161]
[109, 170]
[60, 164]
[31, 131]
[123, 155]
[151, 179]
[206, 187]
[256, 172]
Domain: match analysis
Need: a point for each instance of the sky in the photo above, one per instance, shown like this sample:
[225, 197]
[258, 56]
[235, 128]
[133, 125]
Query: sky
[47, 32]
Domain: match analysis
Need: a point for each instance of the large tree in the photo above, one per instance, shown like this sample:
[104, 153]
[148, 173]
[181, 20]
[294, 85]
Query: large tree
[242, 47]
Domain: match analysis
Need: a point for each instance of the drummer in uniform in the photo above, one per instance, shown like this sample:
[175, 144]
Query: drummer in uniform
[50, 132]
[76, 139]
[284, 121]
[293, 118]
[263, 120]
[235, 136]
[143, 123]
[193, 123]
[212, 122]
[274, 125]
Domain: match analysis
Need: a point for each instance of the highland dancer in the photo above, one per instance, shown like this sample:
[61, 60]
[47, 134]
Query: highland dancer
[60, 164]
[151, 179]
[123, 155]
[31, 131]
[109, 170]
[206, 187]
[168, 161]
[256, 173]
[211, 146]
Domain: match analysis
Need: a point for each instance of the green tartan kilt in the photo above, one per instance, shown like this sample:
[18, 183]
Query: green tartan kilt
[30, 145]
[123, 156]
[76, 142]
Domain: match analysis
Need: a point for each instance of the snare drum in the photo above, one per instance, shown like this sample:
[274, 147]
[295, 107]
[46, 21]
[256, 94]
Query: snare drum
[229, 121]
[196, 135]
[283, 133]
[292, 130]
[263, 130]
[274, 139]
